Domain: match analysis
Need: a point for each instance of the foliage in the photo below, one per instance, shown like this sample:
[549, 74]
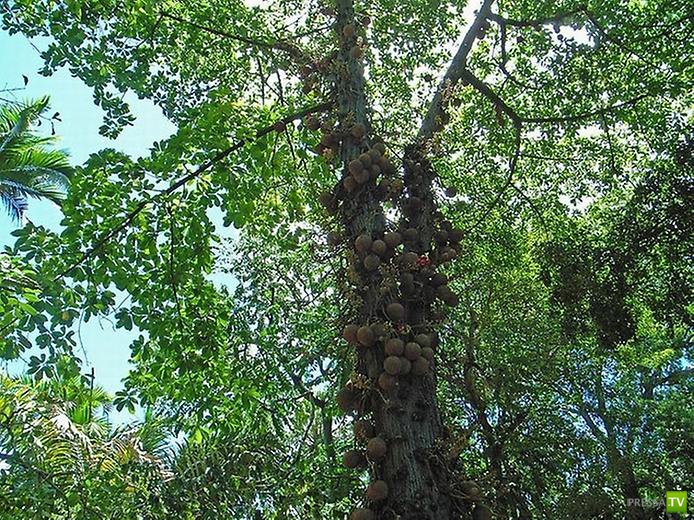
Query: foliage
[565, 133]
[28, 166]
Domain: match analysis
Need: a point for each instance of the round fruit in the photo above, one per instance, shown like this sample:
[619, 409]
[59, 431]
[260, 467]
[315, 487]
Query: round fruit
[424, 340]
[280, 126]
[392, 240]
[371, 262]
[392, 365]
[420, 367]
[380, 147]
[358, 130]
[349, 333]
[365, 336]
[362, 514]
[455, 235]
[312, 123]
[363, 429]
[346, 400]
[363, 243]
[451, 191]
[376, 449]
[387, 382]
[355, 167]
[413, 351]
[451, 299]
[410, 259]
[395, 347]
[356, 52]
[395, 311]
[350, 184]
[428, 353]
[365, 160]
[410, 234]
[439, 279]
[470, 488]
[405, 366]
[441, 236]
[379, 247]
[348, 31]
[481, 512]
[362, 177]
[377, 491]
[354, 459]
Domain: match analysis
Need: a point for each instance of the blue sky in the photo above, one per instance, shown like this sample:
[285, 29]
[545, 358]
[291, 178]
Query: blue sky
[107, 349]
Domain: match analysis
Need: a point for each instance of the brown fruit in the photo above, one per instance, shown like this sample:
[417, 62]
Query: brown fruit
[379, 247]
[420, 366]
[377, 491]
[371, 262]
[481, 512]
[392, 365]
[413, 351]
[363, 243]
[348, 31]
[438, 279]
[346, 400]
[354, 459]
[376, 449]
[380, 147]
[395, 347]
[424, 340]
[410, 258]
[349, 184]
[405, 366]
[362, 514]
[455, 235]
[451, 299]
[358, 130]
[375, 155]
[397, 186]
[363, 176]
[392, 240]
[441, 236]
[355, 167]
[428, 354]
[356, 52]
[349, 333]
[280, 126]
[326, 200]
[451, 191]
[470, 488]
[365, 160]
[448, 253]
[395, 311]
[387, 382]
[443, 291]
[363, 429]
[328, 140]
[365, 336]
[410, 234]
[312, 123]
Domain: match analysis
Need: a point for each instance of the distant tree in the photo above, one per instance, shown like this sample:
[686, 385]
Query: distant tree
[29, 167]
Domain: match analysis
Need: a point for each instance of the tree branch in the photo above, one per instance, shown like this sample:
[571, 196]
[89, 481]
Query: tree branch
[182, 181]
[290, 49]
[453, 75]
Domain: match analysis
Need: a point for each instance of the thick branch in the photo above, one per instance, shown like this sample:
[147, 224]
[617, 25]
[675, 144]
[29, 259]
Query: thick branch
[453, 74]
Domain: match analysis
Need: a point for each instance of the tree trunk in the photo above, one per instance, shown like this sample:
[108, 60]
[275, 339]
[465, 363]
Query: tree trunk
[407, 418]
